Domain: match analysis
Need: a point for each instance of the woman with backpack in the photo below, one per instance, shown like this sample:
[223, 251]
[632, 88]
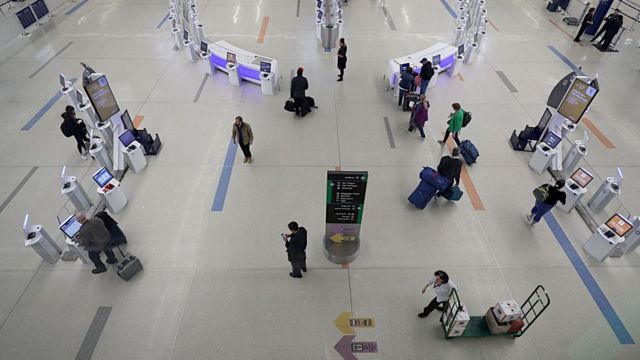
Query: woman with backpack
[455, 124]
[419, 116]
[72, 126]
[547, 196]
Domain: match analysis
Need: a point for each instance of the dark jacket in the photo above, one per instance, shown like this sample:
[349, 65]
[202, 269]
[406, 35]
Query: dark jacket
[298, 85]
[426, 72]
[93, 235]
[450, 168]
[297, 242]
[588, 19]
[406, 81]
[612, 30]
[76, 126]
[342, 60]
[554, 196]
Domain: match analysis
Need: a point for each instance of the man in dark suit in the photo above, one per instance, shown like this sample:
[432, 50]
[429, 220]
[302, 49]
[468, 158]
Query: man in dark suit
[611, 32]
[608, 22]
[296, 244]
[298, 86]
[450, 167]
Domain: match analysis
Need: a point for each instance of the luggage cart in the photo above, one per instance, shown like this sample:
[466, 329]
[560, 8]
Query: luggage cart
[531, 308]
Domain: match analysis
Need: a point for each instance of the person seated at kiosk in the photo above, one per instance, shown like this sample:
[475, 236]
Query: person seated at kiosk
[547, 196]
[95, 237]
[299, 85]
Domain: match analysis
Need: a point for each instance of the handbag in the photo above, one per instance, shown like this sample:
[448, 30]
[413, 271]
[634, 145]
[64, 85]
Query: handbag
[289, 105]
[541, 193]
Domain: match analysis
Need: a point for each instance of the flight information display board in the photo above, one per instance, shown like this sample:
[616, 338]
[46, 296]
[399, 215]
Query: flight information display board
[102, 98]
[577, 100]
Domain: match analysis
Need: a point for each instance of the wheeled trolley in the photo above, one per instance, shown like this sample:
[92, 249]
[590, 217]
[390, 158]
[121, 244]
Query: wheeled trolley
[455, 322]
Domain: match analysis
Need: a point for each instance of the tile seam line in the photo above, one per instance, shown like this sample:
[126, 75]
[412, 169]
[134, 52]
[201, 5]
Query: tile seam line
[184, 307]
[17, 189]
[50, 60]
[21, 295]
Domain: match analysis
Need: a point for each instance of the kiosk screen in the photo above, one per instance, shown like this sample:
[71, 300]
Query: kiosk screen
[404, 67]
[619, 225]
[40, 9]
[204, 47]
[102, 98]
[577, 100]
[231, 57]
[319, 4]
[126, 120]
[127, 137]
[185, 35]
[102, 177]
[460, 49]
[70, 227]
[63, 81]
[435, 60]
[551, 139]
[26, 17]
[582, 177]
[320, 14]
[475, 38]
[265, 66]
[544, 120]
[79, 97]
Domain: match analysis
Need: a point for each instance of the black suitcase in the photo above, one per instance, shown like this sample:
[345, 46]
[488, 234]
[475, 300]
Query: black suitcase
[311, 102]
[128, 266]
[409, 101]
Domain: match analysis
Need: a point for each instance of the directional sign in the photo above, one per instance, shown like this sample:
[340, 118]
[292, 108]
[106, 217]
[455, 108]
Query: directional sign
[345, 323]
[338, 238]
[346, 347]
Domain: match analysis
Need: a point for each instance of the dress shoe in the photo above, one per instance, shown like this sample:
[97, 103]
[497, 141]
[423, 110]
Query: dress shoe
[304, 269]
[294, 275]
[112, 261]
[422, 315]
[98, 270]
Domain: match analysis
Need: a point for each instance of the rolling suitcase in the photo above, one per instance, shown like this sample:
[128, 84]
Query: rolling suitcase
[469, 152]
[431, 176]
[409, 101]
[421, 196]
[128, 266]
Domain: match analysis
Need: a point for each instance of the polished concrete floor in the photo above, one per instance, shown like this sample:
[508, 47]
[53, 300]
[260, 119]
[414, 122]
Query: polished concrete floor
[216, 284]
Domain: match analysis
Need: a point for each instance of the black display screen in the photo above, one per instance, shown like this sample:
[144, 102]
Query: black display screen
[26, 17]
[40, 9]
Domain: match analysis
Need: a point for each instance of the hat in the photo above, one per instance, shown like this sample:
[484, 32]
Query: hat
[424, 60]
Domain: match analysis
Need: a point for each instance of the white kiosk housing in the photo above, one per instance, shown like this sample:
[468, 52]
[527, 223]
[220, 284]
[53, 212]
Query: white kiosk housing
[109, 190]
[608, 238]
[74, 190]
[37, 238]
[240, 64]
[441, 55]
[607, 191]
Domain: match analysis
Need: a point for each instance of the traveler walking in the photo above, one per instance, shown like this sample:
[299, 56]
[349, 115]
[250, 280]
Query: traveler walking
[95, 237]
[299, 85]
[586, 22]
[419, 116]
[426, 73]
[72, 126]
[547, 196]
[243, 135]
[296, 244]
[342, 58]
[455, 124]
[450, 167]
[442, 286]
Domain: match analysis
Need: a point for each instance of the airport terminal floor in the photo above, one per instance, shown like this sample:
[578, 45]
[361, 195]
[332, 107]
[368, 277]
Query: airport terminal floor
[216, 284]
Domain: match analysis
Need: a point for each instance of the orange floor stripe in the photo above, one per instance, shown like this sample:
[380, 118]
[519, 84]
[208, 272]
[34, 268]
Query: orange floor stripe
[592, 127]
[476, 202]
[345, 266]
[263, 29]
[338, 168]
[493, 25]
[137, 120]
[460, 77]
[563, 30]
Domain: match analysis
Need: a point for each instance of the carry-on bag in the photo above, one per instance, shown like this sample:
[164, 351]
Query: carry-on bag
[289, 105]
[421, 196]
[433, 178]
[469, 152]
[409, 101]
[453, 194]
[128, 266]
[310, 101]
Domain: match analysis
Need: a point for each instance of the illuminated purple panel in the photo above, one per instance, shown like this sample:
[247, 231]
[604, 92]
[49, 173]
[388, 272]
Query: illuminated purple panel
[249, 73]
[218, 61]
[446, 62]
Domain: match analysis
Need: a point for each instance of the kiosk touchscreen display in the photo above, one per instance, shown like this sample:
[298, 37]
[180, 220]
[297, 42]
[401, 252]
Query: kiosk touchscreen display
[79, 97]
[265, 66]
[26, 17]
[40, 9]
[70, 227]
[319, 4]
[126, 120]
[460, 49]
[102, 177]
[475, 38]
[577, 100]
[63, 81]
[102, 98]
[126, 138]
[320, 13]
[204, 47]
[404, 67]
[185, 35]
[582, 177]
[551, 139]
[619, 225]
[435, 60]
[231, 57]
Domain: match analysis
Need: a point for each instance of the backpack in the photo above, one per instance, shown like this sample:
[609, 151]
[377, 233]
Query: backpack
[541, 193]
[66, 131]
[466, 118]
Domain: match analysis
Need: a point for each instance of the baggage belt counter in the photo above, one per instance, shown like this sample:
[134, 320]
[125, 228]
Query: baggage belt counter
[248, 62]
[446, 52]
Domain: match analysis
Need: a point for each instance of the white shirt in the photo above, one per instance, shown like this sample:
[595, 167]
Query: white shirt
[443, 290]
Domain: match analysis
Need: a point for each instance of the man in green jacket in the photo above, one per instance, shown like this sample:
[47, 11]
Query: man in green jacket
[455, 124]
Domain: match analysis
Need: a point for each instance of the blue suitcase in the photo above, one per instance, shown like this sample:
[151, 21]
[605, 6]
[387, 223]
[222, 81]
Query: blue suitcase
[469, 152]
[421, 196]
[431, 176]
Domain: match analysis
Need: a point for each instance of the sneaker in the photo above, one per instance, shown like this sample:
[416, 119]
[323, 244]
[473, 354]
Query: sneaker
[245, 160]
[250, 160]
[422, 315]
[295, 276]
[98, 270]
[529, 217]
[83, 157]
[441, 142]
[340, 79]
[112, 261]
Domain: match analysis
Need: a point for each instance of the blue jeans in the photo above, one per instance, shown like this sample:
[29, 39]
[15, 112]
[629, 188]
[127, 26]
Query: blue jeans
[423, 86]
[539, 209]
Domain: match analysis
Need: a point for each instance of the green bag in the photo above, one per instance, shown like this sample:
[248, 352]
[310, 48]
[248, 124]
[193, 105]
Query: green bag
[541, 193]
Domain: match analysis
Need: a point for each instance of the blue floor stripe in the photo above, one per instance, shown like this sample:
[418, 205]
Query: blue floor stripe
[162, 21]
[78, 6]
[594, 289]
[225, 177]
[449, 8]
[34, 120]
[327, 49]
[565, 60]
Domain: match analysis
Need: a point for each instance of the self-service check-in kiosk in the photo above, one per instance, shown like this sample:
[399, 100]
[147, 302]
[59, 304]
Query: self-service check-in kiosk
[84, 106]
[99, 151]
[37, 238]
[267, 81]
[545, 153]
[70, 228]
[232, 69]
[631, 239]
[608, 238]
[575, 154]
[607, 191]
[176, 31]
[133, 151]
[575, 187]
[68, 90]
[109, 190]
[189, 46]
[205, 54]
[74, 190]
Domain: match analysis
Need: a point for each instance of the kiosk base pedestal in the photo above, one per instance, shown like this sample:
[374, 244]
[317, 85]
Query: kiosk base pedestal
[115, 198]
[598, 247]
[541, 159]
[341, 253]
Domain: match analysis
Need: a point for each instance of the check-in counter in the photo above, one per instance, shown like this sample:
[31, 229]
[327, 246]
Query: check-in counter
[248, 63]
[446, 52]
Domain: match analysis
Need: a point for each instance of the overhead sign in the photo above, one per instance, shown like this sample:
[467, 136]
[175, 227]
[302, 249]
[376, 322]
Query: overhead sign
[577, 100]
